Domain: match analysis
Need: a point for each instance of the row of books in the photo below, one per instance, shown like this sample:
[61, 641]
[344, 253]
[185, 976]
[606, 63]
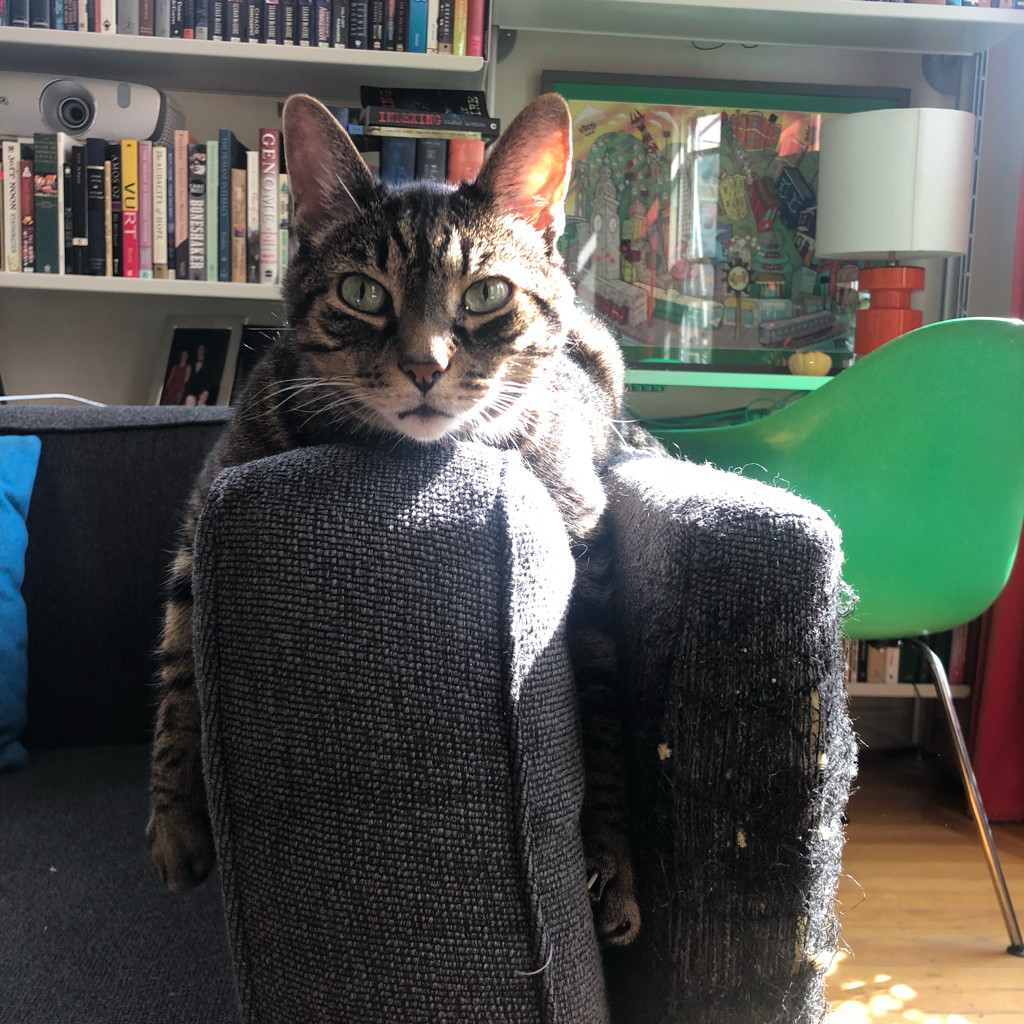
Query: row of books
[202, 211]
[889, 663]
[456, 27]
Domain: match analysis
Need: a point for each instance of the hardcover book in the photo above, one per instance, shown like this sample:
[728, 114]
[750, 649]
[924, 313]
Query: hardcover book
[182, 141]
[238, 224]
[116, 240]
[471, 103]
[231, 158]
[145, 152]
[12, 205]
[79, 248]
[49, 202]
[129, 208]
[359, 24]
[465, 158]
[270, 169]
[430, 121]
[28, 210]
[252, 216]
[397, 160]
[95, 164]
[212, 207]
[416, 41]
[159, 208]
[432, 159]
[197, 211]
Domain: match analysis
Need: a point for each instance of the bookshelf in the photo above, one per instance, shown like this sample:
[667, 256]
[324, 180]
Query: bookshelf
[61, 284]
[228, 68]
[853, 24]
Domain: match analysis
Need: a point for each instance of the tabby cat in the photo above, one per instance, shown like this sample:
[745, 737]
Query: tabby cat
[431, 312]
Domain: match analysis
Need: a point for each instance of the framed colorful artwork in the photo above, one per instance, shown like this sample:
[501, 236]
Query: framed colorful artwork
[691, 214]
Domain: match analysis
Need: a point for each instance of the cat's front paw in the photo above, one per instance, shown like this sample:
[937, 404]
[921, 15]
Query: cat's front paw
[181, 845]
[610, 881]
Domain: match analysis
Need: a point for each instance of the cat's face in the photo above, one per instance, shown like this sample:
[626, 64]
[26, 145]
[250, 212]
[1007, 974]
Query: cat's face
[429, 310]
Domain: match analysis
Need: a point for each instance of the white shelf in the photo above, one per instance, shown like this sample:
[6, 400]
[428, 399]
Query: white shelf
[136, 287]
[215, 66]
[856, 24]
[925, 690]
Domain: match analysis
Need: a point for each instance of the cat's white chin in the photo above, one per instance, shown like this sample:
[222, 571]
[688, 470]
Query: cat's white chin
[426, 427]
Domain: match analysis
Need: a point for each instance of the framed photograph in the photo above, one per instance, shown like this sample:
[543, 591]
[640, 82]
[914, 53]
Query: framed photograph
[198, 359]
[690, 218]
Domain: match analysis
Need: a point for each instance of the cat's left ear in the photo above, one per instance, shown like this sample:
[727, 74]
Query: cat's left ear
[528, 171]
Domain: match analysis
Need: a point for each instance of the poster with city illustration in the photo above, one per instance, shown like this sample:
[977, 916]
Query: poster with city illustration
[690, 219]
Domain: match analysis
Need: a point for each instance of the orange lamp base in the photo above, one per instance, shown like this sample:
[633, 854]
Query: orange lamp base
[890, 314]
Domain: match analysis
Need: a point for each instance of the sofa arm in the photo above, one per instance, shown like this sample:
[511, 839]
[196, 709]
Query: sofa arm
[391, 741]
[741, 747]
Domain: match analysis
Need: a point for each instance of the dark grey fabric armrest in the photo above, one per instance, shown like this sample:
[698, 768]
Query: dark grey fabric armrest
[741, 747]
[391, 740]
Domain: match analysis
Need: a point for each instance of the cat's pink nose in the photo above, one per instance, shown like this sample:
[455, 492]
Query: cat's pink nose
[423, 375]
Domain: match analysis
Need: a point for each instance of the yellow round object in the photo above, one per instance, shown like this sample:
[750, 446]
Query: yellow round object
[810, 364]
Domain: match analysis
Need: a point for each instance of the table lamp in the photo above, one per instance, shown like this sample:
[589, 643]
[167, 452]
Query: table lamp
[894, 185]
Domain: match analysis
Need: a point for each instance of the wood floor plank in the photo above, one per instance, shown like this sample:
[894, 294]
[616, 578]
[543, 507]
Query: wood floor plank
[919, 915]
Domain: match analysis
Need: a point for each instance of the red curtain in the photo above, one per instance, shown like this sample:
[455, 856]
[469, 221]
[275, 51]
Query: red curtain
[997, 734]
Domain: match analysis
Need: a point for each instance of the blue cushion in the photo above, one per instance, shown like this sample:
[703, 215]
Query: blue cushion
[19, 457]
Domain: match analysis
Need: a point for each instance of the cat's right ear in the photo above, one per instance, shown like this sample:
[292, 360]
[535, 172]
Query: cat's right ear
[326, 174]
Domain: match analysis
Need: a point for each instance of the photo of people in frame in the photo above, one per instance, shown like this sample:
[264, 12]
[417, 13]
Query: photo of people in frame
[195, 366]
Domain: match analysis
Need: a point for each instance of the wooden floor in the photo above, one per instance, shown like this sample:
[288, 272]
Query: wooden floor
[920, 918]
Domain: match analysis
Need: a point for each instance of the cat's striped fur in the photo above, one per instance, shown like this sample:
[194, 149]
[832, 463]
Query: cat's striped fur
[433, 313]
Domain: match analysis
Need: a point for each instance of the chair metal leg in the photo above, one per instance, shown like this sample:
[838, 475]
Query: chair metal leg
[995, 868]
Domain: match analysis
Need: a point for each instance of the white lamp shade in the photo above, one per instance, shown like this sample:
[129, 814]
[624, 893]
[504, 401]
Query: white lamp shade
[895, 182]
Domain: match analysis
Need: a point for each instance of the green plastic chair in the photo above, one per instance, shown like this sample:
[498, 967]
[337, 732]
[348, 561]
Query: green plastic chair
[917, 452]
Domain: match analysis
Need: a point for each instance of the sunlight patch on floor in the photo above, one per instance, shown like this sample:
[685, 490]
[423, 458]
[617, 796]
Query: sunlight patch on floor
[881, 1003]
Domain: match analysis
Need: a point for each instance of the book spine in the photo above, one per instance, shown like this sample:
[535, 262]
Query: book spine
[284, 207]
[270, 168]
[177, 19]
[416, 41]
[225, 138]
[159, 207]
[212, 207]
[28, 211]
[188, 19]
[215, 23]
[397, 160]
[67, 260]
[202, 19]
[359, 24]
[161, 17]
[287, 17]
[322, 23]
[339, 31]
[460, 28]
[56, 14]
[107, 16]
[146, 18]
[108, 219]
[445, 24]
[130, 207]
[390, 10]
[433, 14]
[12, 206]
[304, 23]
[40, 14]
[128, 17]
[95, 159]
[49, 205]
[18, 16]
[197, 211]
[252, 216]
[475, 28]
[145, 208]
[171, 207]
[254, 22]
[271, 22]
[70, 15]
[79, 212]
[233, 21]
[427, 121]
[465, 158]
[402, 25]
[238, 225]
[376, 24]
[181, 204]
[432, 159]
[116, 211]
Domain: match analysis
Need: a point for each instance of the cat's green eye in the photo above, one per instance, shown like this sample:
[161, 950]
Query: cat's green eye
[487, 295]
[362, 293]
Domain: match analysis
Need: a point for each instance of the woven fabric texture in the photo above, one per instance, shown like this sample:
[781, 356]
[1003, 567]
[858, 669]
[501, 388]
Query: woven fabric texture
[741, 749]
[391, 740]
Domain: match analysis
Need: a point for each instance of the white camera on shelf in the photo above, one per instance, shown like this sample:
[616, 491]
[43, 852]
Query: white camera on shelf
[105, 109]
